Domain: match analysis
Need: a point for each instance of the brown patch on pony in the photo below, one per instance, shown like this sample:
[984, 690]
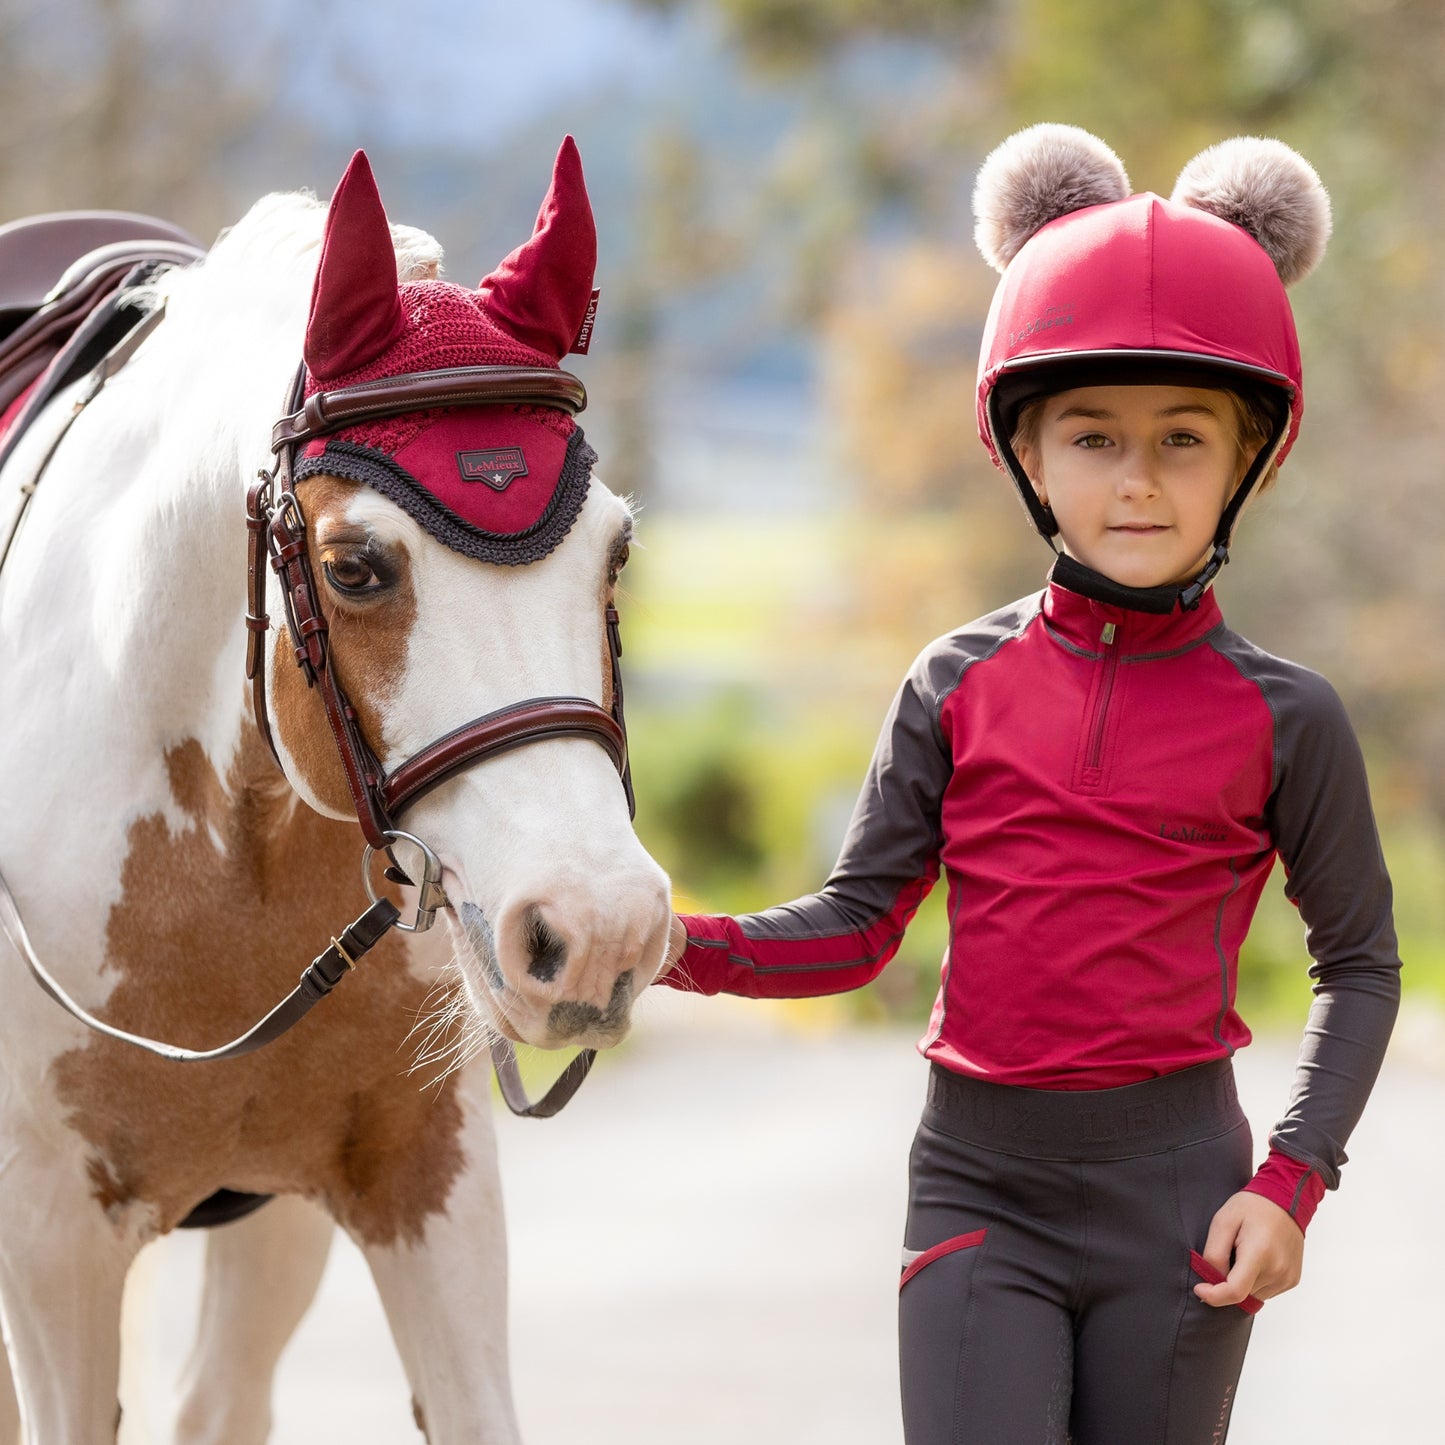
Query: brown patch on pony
[214, 924]
[109, 1192]
[368, 647]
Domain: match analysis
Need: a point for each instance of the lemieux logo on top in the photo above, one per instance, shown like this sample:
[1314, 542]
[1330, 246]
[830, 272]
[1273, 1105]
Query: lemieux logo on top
[498, 468]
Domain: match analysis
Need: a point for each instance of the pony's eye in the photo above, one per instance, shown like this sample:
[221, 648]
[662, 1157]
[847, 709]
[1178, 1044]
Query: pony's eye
[352, 575]
[619, 561]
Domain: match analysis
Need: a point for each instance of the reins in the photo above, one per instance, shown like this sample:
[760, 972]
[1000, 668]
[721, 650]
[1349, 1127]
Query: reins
[276, 532]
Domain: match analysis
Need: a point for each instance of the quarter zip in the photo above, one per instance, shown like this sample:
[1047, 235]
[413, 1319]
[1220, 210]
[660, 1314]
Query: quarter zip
[1094, 759]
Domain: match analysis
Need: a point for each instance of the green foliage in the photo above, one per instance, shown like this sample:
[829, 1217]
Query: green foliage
[1338, 568]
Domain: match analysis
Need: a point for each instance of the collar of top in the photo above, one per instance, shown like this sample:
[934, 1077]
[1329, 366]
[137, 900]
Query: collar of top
[1080, 623]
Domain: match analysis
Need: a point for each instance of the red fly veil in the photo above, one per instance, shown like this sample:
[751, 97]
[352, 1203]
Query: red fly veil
[500, 483]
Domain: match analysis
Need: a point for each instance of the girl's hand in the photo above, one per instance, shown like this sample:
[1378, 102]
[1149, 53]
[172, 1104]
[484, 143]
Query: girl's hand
[676, 942]
[1257, 1245]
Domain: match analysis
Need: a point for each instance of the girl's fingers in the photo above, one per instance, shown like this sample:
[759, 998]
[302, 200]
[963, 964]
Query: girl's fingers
[1223, 1238]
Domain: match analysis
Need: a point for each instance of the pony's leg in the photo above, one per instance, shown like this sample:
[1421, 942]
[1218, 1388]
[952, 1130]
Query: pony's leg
[9, 1405]
[262, 1273]
[445, 1295]
[63, 1261]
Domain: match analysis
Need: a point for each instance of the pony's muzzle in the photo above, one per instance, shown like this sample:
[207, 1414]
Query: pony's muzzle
[567, 971]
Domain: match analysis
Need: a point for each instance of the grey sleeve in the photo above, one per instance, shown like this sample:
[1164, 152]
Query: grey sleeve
[1324, 828]
[889, 856]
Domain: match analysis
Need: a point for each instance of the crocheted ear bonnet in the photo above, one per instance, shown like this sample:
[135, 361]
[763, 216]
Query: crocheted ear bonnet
[1100, 286]
[500, 483]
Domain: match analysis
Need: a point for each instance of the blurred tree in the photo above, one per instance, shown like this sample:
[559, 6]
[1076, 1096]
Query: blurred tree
[112, 104]
[785, 34]
[1342, 567]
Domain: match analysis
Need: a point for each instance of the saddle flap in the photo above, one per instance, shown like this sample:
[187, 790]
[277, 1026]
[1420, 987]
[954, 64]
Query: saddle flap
[38, 252]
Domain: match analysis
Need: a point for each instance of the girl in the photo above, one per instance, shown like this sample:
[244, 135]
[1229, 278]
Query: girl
[1105, 774]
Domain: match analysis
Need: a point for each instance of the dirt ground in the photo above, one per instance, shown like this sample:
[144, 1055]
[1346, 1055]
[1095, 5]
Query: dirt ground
[704, 1249]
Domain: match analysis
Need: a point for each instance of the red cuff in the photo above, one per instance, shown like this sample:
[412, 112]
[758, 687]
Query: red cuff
[702, 965]
[1295, 1186]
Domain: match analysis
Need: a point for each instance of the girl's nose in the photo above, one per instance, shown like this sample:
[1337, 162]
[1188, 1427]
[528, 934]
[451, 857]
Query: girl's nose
[1138, 475]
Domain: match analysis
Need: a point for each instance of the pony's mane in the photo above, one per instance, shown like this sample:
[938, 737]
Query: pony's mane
[234, 326]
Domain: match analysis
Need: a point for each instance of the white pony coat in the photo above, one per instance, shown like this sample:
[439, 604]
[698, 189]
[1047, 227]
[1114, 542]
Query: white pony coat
[164, 867]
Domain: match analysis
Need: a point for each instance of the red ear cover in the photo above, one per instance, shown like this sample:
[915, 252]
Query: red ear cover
[355, 307]
[540, 293]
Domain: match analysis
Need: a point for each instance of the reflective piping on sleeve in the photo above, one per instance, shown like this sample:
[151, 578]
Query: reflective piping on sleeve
[889, 943]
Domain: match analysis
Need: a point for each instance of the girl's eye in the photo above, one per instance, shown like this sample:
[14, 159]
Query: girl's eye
[352, 575]
[1092, 441]
[1182, 439]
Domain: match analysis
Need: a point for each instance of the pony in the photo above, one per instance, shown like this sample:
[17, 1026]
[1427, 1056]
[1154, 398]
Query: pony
[174, 871]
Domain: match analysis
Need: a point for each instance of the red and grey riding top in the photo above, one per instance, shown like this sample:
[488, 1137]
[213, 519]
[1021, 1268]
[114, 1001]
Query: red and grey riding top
[1105, 792]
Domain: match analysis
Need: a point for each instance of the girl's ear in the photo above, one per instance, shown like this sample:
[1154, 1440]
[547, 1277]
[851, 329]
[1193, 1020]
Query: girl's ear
[1029, 460]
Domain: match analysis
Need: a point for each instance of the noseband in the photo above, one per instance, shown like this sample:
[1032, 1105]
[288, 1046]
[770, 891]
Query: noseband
[277, 528]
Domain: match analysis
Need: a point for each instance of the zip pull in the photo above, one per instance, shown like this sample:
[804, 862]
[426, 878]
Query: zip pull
[1107, 635]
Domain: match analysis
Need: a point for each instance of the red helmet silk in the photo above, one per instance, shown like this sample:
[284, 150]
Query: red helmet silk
[1141, 275]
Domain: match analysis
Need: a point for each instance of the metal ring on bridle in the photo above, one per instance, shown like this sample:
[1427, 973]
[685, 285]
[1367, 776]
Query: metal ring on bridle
[430, 896]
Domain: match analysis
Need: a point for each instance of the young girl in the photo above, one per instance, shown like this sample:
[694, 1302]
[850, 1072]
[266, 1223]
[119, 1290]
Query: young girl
[1105, 774]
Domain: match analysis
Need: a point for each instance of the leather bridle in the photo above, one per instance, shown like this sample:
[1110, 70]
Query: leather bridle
[277, 528]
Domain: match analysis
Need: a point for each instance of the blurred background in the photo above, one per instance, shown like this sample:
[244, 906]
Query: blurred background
[783, 367]
[782, 376]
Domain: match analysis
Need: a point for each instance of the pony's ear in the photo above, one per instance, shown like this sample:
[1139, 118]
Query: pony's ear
[355, 308]
[541, 292]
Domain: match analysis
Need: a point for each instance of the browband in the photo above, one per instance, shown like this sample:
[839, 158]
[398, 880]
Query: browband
[329, 411]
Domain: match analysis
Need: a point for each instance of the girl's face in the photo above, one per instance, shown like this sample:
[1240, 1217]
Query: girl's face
[1137, 476]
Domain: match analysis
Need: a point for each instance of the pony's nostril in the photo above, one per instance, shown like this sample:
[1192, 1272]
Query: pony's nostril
[546, 949]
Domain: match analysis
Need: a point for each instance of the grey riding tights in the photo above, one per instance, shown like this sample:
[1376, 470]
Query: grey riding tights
[1051, 1251]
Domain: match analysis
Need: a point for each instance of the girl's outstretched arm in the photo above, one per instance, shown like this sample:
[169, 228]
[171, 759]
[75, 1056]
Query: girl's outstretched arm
[840, 937]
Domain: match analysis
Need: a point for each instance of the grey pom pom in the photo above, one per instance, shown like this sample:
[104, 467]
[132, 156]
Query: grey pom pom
[1035, 177]
[1270, 190]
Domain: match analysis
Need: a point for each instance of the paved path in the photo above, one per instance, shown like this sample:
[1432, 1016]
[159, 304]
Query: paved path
[705, 1250]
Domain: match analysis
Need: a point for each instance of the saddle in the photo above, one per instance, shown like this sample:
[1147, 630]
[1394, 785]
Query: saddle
[59, 313]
